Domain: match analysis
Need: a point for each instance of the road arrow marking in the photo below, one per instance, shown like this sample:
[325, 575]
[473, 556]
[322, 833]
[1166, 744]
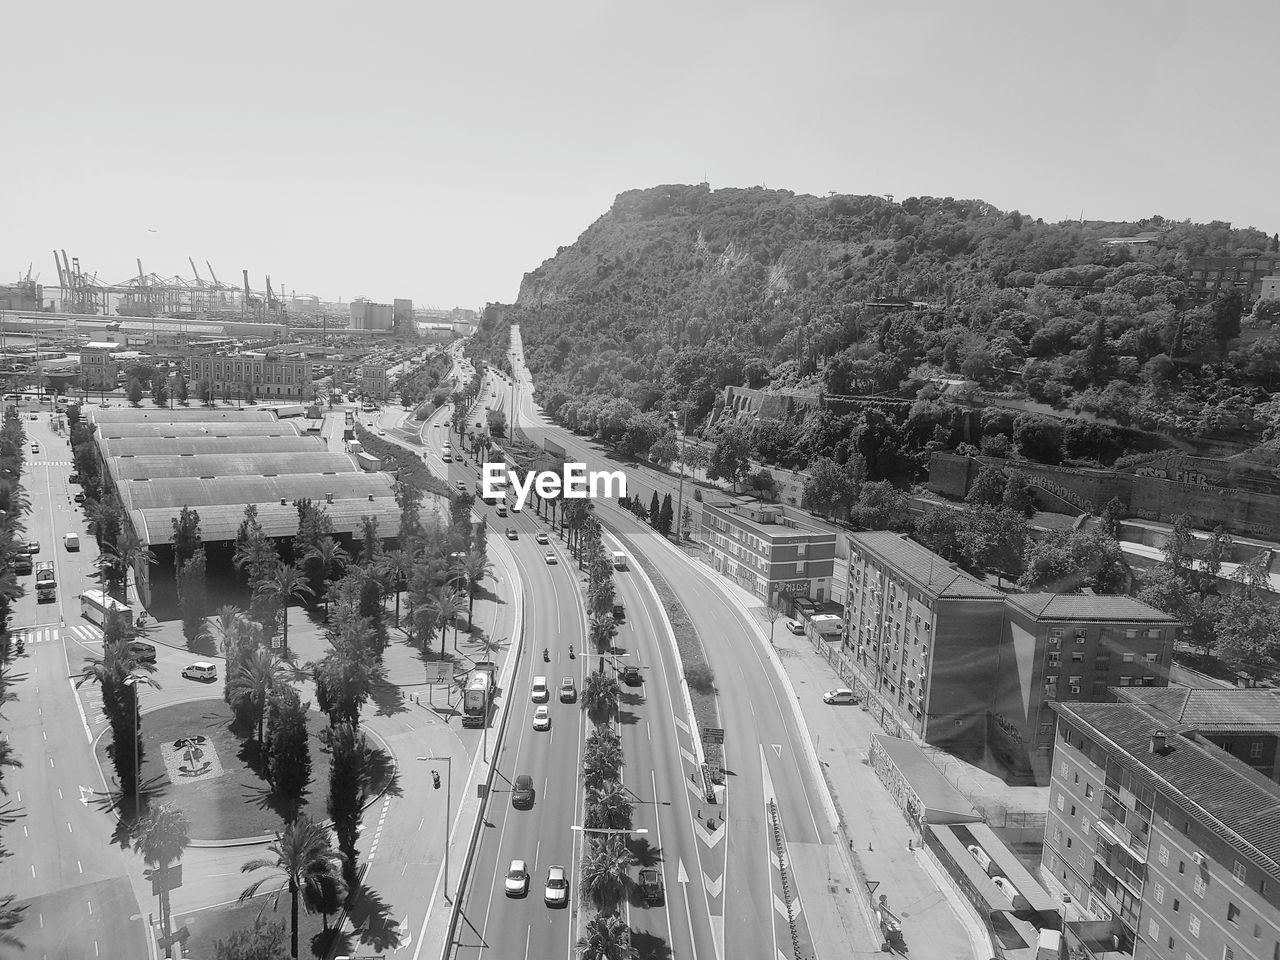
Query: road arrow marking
[682, 878]
[712, 886]
[86, 794]
[777, 748]
[682, 875]
[779, 905]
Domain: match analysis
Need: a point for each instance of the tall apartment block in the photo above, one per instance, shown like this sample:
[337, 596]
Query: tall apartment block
[1161, 843]
[950, 660]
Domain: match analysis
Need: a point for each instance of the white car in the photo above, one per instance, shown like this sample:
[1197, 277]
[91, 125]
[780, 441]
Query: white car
[540, 693]
[796, 627]
[542, 538]
[517, 882]
[542, 718]
[550, 557]
[557, 890]
[839, 695]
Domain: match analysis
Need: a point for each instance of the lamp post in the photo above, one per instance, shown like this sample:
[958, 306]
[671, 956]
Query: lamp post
[448, 789]
[582, 829]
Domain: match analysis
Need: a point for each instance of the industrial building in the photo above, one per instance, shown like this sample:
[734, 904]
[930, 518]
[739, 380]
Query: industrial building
[945, 658]
[219, 460]
[366, 315]
[1161, 843]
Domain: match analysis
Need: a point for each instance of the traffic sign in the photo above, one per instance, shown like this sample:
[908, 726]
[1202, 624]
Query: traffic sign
[438, 671]
[713, 734]
[164, 878]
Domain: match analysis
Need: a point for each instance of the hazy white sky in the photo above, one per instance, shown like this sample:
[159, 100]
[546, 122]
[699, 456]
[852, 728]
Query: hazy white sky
[440, 150]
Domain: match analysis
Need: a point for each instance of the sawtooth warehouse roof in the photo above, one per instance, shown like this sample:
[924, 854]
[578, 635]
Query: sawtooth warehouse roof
[218, 461]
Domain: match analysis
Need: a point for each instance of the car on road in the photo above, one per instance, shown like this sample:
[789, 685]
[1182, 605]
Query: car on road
[550, 557]
[460, 484]
[34, 417]
[568, 691]
[143, 652]
[651, 885]
[522, 791]
[539, 692]
[104, 405]
[79, 497]
[839, 695]
[631, 676]
[502, 509]
[542, 538]
[74, 478]
[201, 670]
[512, 534]
[542, 718]
[35, 448]
[796, 627]
[447, 459]
[517, 882]
[556, 893]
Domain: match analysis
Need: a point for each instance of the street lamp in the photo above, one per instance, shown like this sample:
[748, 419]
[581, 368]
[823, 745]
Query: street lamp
[579, 827]
[448, 789]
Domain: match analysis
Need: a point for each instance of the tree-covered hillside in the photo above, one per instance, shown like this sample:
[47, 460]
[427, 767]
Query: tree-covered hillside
[679, 291]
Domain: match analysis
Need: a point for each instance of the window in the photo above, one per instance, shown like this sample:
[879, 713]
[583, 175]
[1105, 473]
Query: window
[1164, 856]
[1153, 930]
[1088, 790]
[1084, 825]
[1054, 659]
[1062, 802]
[1233, 913]
[1255, 750]
[1128, 658]
[1199, 886]
[1077, 656]
[1193, 926]
[1158, 892]
[1237, 872]
[1075, 689]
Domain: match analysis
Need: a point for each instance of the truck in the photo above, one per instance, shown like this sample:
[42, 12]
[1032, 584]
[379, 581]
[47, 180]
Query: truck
[478, 697]
[46, 585]
[619, 560]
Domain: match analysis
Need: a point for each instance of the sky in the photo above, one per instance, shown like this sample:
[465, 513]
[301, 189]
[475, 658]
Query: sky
[438, 151]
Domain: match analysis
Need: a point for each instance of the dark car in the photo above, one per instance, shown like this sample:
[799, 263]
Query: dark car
[143, 652]
[79, 497]
[651, 885]
[522, 791]
[74, 478]
[631, 676]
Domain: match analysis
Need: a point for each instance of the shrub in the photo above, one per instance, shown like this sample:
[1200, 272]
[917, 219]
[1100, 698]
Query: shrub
[701, 677]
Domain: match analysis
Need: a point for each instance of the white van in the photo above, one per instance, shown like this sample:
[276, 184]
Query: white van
[540, 692]
[200, 670]
[72, 542]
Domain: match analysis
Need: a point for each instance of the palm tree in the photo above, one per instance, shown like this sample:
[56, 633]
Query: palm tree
[602, 760]
[606, 937]
[609, 807]
[475, 567]
[161, 837]
[119, 703]
[304, 857]
[229, 628]
[332, 559]
[256, 681]
[600, 695]
[326, 895]
[287, 583]
[10, 917]
[7, 759]
[445, 604]
[605, 866]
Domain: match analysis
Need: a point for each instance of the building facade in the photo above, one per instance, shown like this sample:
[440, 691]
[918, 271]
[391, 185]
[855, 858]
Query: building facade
[943, 657]
[99, 369]
[1160, 844]
[773, 552]
[1210, 276]
[374, 384]
[254, 375]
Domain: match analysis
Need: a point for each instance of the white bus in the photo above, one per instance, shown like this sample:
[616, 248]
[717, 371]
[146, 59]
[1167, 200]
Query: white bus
[97, 605]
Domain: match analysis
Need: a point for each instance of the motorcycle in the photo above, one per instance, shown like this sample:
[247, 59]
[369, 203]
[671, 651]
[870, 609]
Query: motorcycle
[546, 655]
[571, 651]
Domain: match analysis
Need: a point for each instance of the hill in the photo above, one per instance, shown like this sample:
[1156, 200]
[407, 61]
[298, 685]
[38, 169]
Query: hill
[678, 291]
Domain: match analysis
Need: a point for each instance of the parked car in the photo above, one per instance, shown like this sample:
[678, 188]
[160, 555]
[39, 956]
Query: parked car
[522, 791]
[517, 882]
[33, 546]
[35, 448]
[568, 691]
[796, 627]
[556, 893]
[839, 695]
[79, 497]
[74, 478]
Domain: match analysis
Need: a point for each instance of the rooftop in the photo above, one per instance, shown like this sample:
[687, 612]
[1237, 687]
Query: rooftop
[787, 522]
[1238, 804]
[1086, 607]
[933, 574]
[1212, 709]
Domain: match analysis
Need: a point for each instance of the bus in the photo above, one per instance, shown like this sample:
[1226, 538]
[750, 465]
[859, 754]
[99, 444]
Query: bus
[491, 501]
[97, 605]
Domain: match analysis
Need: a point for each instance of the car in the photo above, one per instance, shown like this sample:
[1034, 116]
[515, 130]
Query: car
[542, 718]
[447, 459]
[33, 546]
[201, 670]
[631, 676]
[143, 652]
[33, 417]
[448, 445]
[35, 448]
[460, 484]
[556, 893]
[104, 405]
[512, 534]
[839, 695]
[651, 885]
[522, 791]
[502, 510]
[550, 557]
[796, 627]
[568, 691]
[74, 478]
[542, 538]
[79, 497]
[538, 692]
[517, 882]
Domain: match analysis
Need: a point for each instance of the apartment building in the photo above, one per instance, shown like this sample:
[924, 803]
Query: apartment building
[769, 550]
[943, 657]
[99, 368]
[1159, 843]
[254, 375]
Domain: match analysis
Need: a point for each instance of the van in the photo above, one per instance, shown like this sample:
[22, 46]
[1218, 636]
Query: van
[200, 670]
[72, 542]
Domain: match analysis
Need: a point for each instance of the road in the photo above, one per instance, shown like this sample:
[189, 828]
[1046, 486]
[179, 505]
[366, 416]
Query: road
[74, 883]
[765, 753]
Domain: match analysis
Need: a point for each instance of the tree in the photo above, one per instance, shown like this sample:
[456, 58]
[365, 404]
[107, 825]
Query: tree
[881, 506]
[1225, 324]
[10, 917]
[939, 530]
[606, 937]
[600, 695]
[302, 857]
[257, 679]
[606, 866]
[161, 837]
[119, 701]
[764, 484]
[601, 758]
[330, 559]
[1018, 496]
[1215, 551]
[988, 486]
[730, 458]
[1249, 636]
[666, 515]
[608, 807]
[1179, 547]
[497, 421]
[831, 489]
[1112, 514]
[686, 522]
[1064, 561]
[194, 597]
[346, 676]
[186, 535]
[655, 510]
[1039, 438]
[159, 393]
[993, 540]
[772, 612]
[289, 754]
[285, 584]
[327, 895]
[134, 391]
[263, 941]
[180, 391]
[475, 567]
[350, 778]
